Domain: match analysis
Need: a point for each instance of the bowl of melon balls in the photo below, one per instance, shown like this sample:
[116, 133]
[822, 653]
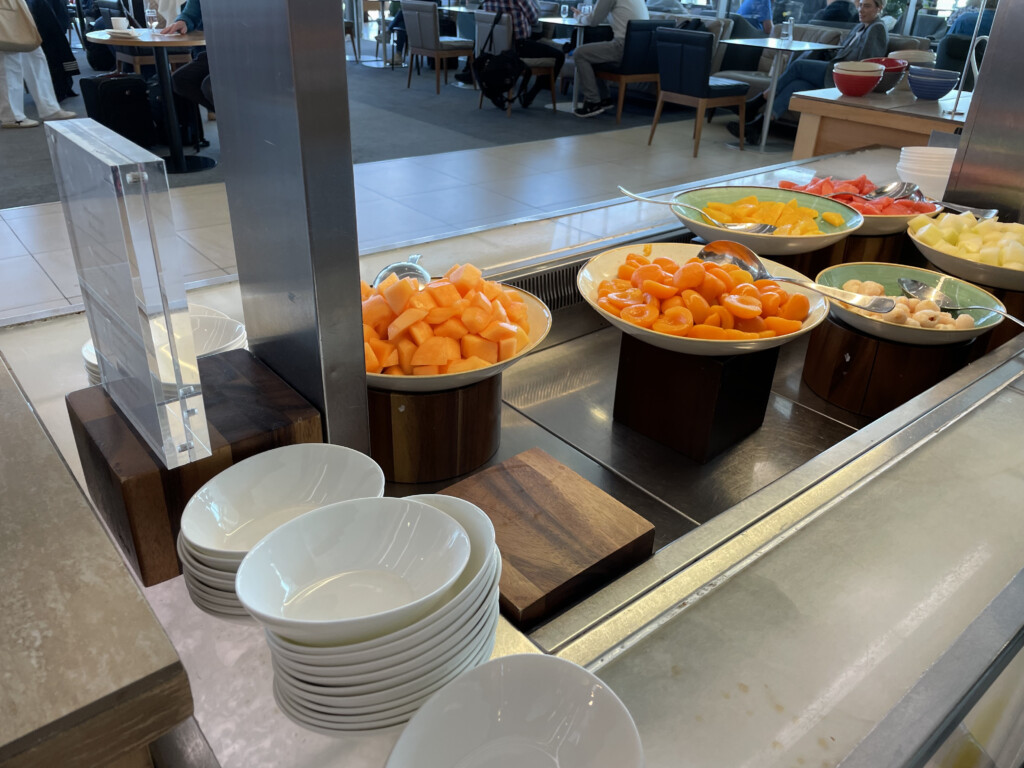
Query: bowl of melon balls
[450, 332]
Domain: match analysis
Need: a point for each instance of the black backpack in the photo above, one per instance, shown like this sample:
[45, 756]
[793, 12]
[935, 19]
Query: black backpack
[497, 73]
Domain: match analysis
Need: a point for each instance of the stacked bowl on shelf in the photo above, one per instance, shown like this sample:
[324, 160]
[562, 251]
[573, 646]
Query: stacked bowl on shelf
[928, 167]
[929, 83]
[212, 332]
[241, 505]
[895, 69]
[372, 605]
[913, 57]
[857, 78]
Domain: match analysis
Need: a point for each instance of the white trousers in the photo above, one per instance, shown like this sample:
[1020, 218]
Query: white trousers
[15, 70]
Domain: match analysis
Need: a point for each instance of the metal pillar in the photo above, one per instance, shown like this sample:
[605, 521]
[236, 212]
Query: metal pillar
[279, 82]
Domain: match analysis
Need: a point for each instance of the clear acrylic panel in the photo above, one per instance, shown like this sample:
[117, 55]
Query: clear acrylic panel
[129, 261]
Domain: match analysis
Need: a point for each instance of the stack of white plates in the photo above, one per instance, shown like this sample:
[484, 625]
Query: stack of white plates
[212, 332]
[928, 167]
[241, 505]
[342, 663]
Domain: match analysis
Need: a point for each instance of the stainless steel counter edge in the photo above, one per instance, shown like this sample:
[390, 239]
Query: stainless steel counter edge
[621, 614]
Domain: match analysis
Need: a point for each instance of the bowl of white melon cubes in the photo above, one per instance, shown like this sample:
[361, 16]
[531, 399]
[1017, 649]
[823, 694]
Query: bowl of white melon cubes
[988, 251]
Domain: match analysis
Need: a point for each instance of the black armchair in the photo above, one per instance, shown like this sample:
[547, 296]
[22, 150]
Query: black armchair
[684, 61]
[952, 54]
[639, 59]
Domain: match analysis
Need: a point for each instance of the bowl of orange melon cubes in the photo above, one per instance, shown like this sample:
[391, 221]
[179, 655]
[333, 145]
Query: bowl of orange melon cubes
[452, 332]
[805, 222]
[664, 294]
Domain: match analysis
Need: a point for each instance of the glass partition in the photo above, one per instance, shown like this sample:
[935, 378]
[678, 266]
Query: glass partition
[129, 264]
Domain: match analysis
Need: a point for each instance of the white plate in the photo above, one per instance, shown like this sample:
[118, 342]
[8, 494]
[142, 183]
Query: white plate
[518, 711]
[124, 32]
[767, 245]
[484, 564]
[353, 571]
[539, 317]
[605, 266]
[333, 728]
[887, 275]
[401, 646]
[392, 667]
[340, 691]
[248, 500]
[972, 271]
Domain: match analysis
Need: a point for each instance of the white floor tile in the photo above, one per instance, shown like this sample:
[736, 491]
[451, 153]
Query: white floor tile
[10, 245]
[467, 207]
[41, 233]
[60, 267]
[214, 243]
[24, 211]
[398, 178]
[23, 283]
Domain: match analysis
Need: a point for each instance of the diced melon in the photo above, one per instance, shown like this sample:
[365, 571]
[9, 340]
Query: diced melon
[930, 234]
[426, 370]
[466, 364]
[365, 291]
[465, 278]
[387, 282]
[480, 347]
[517, 312]
[433, 351]
[377, 314]
[507, 348]
[406, 349]
[386, 352]
[404, 321]
[1013, 253]
[498, 313]
[420, 332]
[522, 339]
[369, 333]
[398, 294]
[918, 221]
[476, 319]
[477, 299]
[498, 331]
[394, 370]
[438, 315]
[453, 349]
[422, 300]
[443, 292]
[452, 328]
[489, 289]
[372, 364]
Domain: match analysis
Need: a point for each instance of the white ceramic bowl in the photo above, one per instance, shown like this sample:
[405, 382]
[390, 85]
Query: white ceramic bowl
[860, 67]
[248, 500]
[353, 571]
[405, 644]
[517, 711]
[889, 225]
[605, 266]
[332, 727]
[887, 275]
[766, 245]
[539, 317]
[932, 184]
[987, 275]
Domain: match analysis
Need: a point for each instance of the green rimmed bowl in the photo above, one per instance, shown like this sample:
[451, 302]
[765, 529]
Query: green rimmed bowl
[963, 293]
[766, 245]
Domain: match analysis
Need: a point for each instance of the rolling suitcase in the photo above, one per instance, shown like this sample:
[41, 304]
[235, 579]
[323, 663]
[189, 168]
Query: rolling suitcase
[121, 103]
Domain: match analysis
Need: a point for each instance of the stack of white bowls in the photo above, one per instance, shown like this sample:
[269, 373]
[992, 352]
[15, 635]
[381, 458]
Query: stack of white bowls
[913, 57]
[928, 167]
[372, 605]
[212, 332]
[241, 505]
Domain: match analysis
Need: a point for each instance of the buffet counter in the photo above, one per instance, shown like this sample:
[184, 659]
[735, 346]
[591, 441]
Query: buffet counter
[89, 676]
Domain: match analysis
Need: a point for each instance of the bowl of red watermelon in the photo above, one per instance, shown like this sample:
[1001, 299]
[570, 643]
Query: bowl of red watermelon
[883, 216]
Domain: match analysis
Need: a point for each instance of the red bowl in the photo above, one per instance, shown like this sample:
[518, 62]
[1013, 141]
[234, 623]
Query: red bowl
[890, 65]
[856, 85]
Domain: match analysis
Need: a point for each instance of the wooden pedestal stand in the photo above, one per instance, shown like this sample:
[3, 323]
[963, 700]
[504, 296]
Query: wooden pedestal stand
[249, 409]
[871, 376]
[888, 248]
[729, 396]
[425, 437]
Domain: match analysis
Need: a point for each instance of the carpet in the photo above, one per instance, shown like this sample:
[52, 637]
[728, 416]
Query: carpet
[388, 121]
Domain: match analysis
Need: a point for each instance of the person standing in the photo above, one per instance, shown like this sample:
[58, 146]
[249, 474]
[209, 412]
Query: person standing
[759, 12]
[595, 92]
[193, 80]
[15, 69]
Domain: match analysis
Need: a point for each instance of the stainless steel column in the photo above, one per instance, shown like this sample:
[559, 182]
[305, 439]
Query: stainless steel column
[989, 167]
[279, 83]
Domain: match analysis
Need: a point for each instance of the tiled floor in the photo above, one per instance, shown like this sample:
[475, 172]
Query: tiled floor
[404, 202]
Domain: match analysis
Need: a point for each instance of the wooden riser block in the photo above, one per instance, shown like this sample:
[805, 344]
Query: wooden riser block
[560, 536]
[730, 396]
[871, 376]
[249, 409]
[426, 437]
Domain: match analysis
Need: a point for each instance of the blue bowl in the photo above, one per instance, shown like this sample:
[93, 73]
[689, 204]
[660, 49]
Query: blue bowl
[935, 74]
[924, 88]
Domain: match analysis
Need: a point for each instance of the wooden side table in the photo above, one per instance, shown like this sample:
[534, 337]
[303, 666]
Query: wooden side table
[249, 409]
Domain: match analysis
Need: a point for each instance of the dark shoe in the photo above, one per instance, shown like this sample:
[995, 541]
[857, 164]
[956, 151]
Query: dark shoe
[607, 103]
[751, 130]
[526, 99]
[464, 77]
[589, 109]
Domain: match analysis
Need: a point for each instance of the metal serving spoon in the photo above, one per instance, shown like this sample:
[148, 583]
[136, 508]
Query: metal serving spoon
[403, 269]
[728, 252]
[894, 190]
[917, 289]
[750, 229]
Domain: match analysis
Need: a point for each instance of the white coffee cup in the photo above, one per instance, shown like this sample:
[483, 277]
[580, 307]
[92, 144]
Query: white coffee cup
[118, 22]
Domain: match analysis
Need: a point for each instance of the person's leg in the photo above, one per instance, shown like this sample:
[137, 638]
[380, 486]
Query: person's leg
[37, 75]
[12, 89]
[188, 81]
[207, 88]
[801, 75]
[536, 49]
[586, 56]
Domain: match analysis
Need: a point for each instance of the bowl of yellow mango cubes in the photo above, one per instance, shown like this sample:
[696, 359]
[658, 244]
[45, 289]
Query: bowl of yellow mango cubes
[804, 222]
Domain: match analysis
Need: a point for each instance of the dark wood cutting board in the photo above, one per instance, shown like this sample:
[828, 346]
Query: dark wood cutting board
[560, 536]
